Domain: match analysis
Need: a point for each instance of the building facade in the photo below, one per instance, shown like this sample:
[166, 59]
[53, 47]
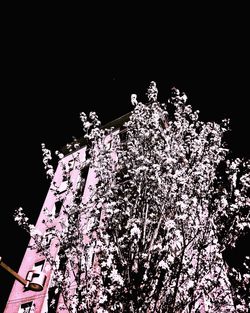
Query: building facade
[73, 170]
[22, 299]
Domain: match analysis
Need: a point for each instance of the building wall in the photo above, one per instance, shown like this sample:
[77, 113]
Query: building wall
[19, 294]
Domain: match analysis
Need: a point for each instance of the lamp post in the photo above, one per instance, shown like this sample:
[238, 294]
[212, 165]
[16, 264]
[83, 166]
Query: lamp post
[34, 281]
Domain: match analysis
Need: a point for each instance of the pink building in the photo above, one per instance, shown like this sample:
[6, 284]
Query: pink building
[22, 299]
[34, 270]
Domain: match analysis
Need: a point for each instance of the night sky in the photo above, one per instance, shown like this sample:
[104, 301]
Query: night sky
[51, 74]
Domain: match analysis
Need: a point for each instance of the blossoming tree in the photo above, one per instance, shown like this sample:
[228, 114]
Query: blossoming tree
[167, 203]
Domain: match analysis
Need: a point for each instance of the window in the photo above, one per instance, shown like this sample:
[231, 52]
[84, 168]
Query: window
[91, 255]
[38, 266]
[70, 166]
[66, 174]
[81, 184]
[108, 144]
[48, 236]
[53, 298]
[28, 307]
[123, 134]
[57, 208]
[122, 176]
[84, 173]
[87, 154]
[63, 186]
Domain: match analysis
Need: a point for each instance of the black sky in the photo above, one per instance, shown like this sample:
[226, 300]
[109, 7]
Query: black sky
[52, 71]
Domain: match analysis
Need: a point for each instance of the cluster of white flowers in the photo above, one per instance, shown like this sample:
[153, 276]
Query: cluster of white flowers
[116, 277]
[135, 231]
[46, 159]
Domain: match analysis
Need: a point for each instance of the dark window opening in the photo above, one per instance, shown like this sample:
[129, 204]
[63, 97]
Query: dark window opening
[84, 172]
[26, 307]
[64, 185]
[39, 265]
[58, 206]
[81, 185]
[123, 134]
[53, 296]
[87, 156]
[122, 176]
[49, 235]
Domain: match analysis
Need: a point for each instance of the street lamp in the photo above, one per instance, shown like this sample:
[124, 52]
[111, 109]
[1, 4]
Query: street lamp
[34, 281]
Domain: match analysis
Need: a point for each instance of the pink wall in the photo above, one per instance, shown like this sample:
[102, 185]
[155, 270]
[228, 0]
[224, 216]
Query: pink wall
[18, 294]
